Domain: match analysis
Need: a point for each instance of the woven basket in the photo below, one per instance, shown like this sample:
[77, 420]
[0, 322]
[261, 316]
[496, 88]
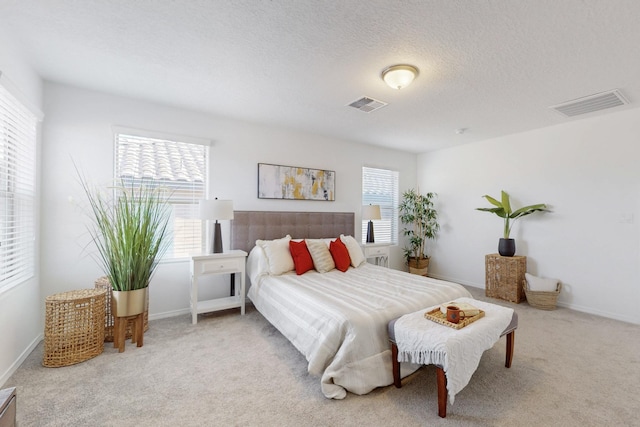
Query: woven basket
[503, 276]
[73, 330]
[103, 283]
[541, 299]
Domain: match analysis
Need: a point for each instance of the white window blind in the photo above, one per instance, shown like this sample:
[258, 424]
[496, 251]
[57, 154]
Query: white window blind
[380, 187]
[18, 132]
[181, 168]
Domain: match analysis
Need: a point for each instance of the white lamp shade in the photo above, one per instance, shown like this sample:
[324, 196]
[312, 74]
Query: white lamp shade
[370, 212]
[216, 209]
[399, 76]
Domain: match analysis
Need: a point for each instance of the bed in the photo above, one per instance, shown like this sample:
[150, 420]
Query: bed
[337, 320]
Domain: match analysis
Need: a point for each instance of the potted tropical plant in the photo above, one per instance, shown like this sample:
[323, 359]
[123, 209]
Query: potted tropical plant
[130, 232]
[502, 208]
[417, 212]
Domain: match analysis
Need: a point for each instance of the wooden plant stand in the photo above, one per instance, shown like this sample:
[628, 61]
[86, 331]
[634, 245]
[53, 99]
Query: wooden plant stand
[120, 331]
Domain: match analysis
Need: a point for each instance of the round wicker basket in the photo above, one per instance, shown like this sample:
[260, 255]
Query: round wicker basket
[541, 299]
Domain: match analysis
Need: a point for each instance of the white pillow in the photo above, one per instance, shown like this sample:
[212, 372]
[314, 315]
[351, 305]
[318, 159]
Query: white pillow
[355, 251]
[322, 259]
[257, 264]
[539, 284]
[278, 255]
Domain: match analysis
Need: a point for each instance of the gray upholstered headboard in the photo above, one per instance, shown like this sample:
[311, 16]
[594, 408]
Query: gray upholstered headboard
[248, 226]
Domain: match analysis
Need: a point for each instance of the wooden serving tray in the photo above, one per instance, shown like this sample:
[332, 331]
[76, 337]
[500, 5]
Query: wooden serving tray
[437, 316]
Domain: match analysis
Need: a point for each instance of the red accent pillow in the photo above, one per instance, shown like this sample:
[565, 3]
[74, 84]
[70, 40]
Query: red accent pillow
[340, 255]
[301, 257]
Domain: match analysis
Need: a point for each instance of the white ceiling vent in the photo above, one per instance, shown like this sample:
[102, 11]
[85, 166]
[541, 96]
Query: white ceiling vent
[367, 104]
[591, 103]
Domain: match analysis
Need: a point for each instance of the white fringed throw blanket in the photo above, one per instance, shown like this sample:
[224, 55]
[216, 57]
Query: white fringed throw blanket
[457, 351]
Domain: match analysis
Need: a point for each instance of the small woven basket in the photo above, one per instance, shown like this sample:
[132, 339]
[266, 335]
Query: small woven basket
[543, 300]
[73, 327]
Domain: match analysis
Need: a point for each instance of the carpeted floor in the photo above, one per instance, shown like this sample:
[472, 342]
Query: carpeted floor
[569, 369]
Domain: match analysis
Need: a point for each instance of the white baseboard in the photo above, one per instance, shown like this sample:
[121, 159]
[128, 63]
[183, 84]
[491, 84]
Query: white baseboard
[16, 364]
[166, 314]
[589, 310]
[460, 281]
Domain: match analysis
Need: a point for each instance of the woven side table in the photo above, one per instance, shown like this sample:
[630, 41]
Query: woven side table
[504, 277]
[73, 327]
[103, 283]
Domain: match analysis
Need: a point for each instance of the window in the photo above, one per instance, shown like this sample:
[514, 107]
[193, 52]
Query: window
[380, 187]
[18, 131]
[178, 166]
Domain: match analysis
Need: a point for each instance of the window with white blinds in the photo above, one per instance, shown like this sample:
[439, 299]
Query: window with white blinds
[18, 132]
[178, 166]
[380, 187]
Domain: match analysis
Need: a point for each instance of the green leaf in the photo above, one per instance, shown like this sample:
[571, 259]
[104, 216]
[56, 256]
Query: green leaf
[498, 211]
[528, 210]
[493, 201]
[505, 202]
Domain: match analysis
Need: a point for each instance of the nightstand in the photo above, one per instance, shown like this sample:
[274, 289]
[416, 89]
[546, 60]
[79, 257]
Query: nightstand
[378, 251]
[232, 262]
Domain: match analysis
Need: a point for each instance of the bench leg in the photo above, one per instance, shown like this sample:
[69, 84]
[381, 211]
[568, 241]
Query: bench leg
[442, 392]
[395, 365]
[440, 376]
[511, 338]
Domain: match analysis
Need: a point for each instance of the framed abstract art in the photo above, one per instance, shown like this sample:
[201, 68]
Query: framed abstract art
[295, 183]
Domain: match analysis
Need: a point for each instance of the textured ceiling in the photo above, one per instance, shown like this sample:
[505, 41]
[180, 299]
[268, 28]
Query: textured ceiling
[492, 67]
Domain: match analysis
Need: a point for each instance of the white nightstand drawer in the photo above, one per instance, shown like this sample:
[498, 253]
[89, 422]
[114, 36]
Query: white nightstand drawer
[220, 266]
[377, 251]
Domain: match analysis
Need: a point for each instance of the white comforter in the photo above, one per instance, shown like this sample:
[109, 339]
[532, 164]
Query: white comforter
[339, 320]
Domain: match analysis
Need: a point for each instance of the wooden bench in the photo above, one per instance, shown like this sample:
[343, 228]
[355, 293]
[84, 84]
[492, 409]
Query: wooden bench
[441, 379]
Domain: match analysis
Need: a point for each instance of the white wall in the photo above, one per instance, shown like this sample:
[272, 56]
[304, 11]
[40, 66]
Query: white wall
[21, 307]
[586, 171]
[78, 128]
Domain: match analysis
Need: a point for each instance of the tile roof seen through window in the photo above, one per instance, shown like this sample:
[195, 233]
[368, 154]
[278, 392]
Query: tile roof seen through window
[158, 159]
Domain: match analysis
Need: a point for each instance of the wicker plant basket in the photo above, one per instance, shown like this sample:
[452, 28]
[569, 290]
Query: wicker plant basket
[541, 299]
[103, 283]
[419, 266]
[73, 327]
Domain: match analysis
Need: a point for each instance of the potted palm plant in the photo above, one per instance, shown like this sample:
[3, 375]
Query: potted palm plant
[502, 208]
[417, 212]
[130, 232]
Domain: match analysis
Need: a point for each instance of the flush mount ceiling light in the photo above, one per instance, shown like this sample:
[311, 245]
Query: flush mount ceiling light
[399, 76]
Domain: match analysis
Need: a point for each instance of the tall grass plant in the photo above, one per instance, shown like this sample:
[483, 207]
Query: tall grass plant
[130, 231]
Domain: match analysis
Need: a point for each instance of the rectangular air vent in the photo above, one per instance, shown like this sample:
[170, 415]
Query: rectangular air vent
[367, 104]
[591, 103]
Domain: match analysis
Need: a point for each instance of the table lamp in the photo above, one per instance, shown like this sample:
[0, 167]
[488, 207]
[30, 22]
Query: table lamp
[216, 210]
[369, 213]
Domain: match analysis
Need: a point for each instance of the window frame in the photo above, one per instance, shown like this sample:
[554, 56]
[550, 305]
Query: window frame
[388, 208]
[19, 133]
